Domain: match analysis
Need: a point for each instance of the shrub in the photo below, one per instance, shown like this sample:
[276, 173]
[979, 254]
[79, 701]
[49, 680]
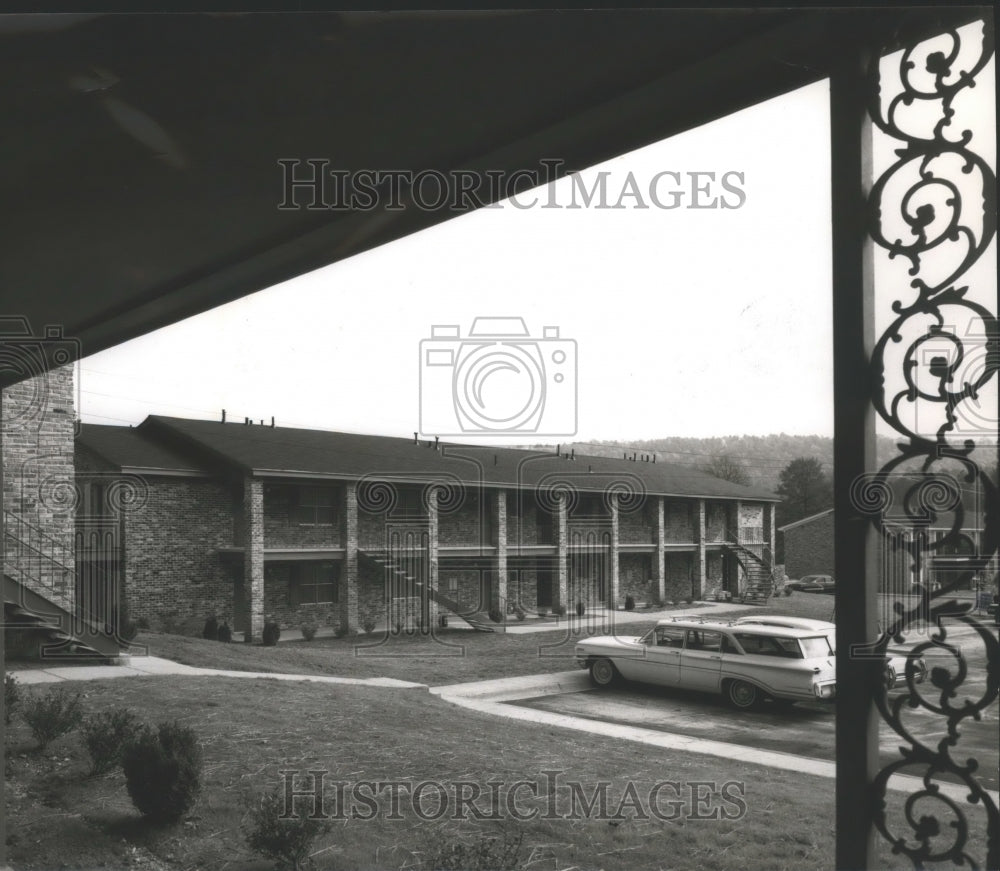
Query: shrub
[52, 715]
[543, 613]
[788, 591]
[488, 853]
[225, 633]
[339, 631]
[496, 615]
[368, 624]
[272, 632]
[11, 697]
[211, 630]
[581, 609]
[443, 621]
[629, 603]
[309, 631]
[163, 771]
[559, 610]
[285, 839]
[142, 623]
[106, 735]
[520, 613]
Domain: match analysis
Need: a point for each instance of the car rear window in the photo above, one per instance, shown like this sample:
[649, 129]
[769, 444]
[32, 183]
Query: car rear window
[816, 646]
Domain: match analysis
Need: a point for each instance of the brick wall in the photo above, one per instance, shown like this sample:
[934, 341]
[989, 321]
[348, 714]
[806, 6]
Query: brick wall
[809, 548]
[638, 526]
[464, 524]
[39, 424]
[680, 521]
[716, 520]
[678, 573]
[171, 561]
[282, 527]
[635, 572]
[278, 579]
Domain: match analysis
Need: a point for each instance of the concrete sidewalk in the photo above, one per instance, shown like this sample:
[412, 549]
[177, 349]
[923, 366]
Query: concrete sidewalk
[494, 698]
[608, 620]
[145, 666]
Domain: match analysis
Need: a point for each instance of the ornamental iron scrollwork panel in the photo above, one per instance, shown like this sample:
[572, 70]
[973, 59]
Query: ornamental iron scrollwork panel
[932, 208]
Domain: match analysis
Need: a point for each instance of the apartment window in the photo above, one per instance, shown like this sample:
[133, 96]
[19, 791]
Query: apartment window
[315, 506]
[314, 584]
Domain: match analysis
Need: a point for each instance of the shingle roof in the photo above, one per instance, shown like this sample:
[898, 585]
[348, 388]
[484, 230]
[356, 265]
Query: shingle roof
[127, 448]
[295, 452]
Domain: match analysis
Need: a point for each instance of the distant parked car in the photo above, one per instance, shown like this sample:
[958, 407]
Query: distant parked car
[813, 584]
[745, 663]
[895, 661]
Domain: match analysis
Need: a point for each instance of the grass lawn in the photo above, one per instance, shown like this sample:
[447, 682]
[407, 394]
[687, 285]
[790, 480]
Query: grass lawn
[447, 656]
[59, 817]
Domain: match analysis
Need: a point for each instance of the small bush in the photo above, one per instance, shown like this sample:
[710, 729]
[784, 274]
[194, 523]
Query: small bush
[163, 771]
[52, 715]
[11, 697]
[211, 630]
[559, 610]
[142, 623]
[339, 631]
[272, 632]
[170, 622]
[520, 613]
[488, 853]
[496, 615]
[225, 633]
[581, 609]
[309, 631]
[287, 839]
[443, 621]
[105, 735]
[629, 603]
[368, 624]
[128, 630]
[543, 613]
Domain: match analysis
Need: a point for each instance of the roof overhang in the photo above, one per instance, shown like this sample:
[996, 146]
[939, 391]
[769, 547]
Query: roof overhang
[141, 151]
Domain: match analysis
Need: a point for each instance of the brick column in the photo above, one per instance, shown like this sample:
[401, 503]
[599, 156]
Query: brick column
[562, 554]
[500, 592]
[769, 531]
[614, 585]
[349, 576]
[253, 558]
[700, 568]
[659, 557]
[432, 553]
[741, 574]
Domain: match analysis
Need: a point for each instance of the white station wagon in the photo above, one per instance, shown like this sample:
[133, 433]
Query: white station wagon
[745, 663]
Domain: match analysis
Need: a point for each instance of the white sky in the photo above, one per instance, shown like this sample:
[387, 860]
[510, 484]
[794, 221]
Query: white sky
[687, 322]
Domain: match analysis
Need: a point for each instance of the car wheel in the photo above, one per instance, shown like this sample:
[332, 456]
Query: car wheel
[743, 695]
[890, 677]
[603, 672]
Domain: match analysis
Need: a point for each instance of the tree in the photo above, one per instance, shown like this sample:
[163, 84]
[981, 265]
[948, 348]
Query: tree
[805, 488]
[728, 469]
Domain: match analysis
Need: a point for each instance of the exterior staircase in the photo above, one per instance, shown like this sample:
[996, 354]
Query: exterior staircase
[393, 570]
[758, 565]
[38, 609]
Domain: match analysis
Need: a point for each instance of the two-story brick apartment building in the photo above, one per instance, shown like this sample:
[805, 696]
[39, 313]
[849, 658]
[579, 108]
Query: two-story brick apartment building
[251, 521]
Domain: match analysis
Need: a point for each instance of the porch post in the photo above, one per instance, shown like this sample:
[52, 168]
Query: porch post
[659, 558]
[769, 532]
[500, 592]
[349, 576]
[614, 582]
[701, 574]
[858, 677]
[253, 558]
[562, 552]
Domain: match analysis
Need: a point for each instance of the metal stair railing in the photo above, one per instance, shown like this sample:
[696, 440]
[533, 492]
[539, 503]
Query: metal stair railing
[387, 563]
